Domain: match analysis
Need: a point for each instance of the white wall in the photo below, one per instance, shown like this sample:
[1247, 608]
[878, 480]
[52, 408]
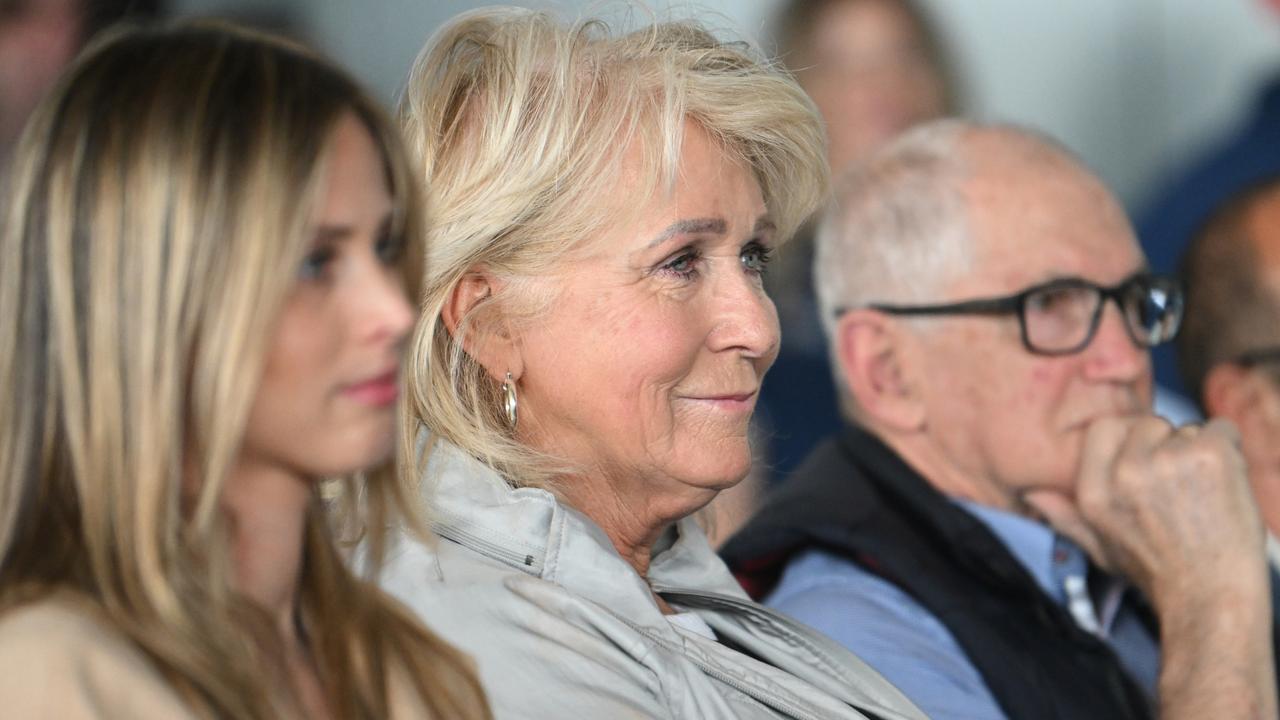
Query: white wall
[1132, 85]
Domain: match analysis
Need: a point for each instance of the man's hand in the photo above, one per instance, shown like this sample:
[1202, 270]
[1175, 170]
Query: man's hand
[1171, 510]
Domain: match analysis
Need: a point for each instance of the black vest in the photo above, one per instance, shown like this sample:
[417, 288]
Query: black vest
[854, 497]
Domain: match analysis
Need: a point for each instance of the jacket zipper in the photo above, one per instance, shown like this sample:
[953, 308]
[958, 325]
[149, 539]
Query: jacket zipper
[770, 700]
[527, 562]
[779, 621]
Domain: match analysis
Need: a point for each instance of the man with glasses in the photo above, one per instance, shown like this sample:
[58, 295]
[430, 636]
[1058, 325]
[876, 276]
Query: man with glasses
[1005, 530]
[1229, 349]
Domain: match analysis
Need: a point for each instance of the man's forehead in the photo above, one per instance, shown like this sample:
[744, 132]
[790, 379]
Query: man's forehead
[1038, 215]
[1264, 232]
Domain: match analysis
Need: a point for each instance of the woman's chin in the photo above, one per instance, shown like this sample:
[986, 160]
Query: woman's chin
[722, 473]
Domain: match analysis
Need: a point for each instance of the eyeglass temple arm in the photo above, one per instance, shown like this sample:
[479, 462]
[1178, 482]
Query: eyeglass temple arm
[979, 307]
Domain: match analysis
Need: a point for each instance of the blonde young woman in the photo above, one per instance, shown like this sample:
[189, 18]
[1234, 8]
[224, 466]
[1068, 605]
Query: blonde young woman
[202, 309]
[593, 337]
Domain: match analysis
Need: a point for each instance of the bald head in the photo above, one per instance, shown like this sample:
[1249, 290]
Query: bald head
[1232, 277]
[940, 199]
[955, 213]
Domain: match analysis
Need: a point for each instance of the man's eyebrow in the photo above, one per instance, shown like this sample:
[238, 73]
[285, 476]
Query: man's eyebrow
[713, 226]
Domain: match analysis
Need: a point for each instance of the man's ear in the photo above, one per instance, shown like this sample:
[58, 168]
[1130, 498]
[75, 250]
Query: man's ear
[872, 353]
[1228, 393]
[474, 319]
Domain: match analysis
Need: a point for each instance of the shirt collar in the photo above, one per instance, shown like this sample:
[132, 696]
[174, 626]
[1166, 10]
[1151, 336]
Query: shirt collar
[1047, 556]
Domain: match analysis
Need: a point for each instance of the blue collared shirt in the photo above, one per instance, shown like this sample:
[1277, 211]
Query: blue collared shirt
[909, 646]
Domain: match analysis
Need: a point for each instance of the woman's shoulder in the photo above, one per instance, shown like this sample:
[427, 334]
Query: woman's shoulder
[541, 650]
[60, 659]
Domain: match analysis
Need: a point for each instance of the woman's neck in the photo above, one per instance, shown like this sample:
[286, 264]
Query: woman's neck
[268, 508]
[635, 520]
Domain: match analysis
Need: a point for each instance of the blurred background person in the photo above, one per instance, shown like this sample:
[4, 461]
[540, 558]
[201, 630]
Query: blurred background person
[582, 377]
[38, 38]
[873, 69]
[1229, 348]
[1202, 181]
[203, 304]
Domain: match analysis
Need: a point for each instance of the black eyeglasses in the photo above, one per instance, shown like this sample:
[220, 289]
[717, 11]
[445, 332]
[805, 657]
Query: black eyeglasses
[1260, 356]
[1061, 317]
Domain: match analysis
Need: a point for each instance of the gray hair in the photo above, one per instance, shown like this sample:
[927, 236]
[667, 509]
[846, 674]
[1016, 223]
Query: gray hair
[896, 228]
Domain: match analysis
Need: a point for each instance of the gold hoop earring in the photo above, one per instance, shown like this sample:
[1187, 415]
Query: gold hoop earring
[509, 401]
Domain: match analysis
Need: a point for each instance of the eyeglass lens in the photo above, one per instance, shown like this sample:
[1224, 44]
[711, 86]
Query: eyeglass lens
[1063, 318]
[1058, 319]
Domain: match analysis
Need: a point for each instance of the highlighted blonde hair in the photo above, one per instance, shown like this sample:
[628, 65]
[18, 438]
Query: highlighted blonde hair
[520, 124]
[157, 222]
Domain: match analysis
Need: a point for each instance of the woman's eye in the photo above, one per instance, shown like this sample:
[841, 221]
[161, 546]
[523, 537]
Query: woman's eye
[684, 265]
[315, 263]
[389, 248]
[756, 257]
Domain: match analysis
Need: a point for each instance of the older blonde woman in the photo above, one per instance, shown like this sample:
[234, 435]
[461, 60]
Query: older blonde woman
[592, 340]
[202, 309]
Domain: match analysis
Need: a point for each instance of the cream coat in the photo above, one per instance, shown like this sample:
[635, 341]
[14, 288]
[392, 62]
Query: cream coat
[59, 662]
[562, 627]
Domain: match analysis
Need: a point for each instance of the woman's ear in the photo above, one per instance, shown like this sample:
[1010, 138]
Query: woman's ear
[480, 325]
[872, 355]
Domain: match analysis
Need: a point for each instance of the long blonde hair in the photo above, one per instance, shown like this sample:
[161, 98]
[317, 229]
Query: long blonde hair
[520, 123]
[158, 216]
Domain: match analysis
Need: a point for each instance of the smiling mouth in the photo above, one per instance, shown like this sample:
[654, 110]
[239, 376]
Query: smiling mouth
[734, 402]
[378, 392]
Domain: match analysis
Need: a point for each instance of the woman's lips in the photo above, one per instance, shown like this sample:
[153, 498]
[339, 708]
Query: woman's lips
[378, 392]
[735, 402]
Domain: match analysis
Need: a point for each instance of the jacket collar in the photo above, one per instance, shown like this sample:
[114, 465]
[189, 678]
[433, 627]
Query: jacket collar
[838, 490]
[531, 530]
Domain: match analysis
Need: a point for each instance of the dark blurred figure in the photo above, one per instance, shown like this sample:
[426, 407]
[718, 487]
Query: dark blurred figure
[37, 40]
[874, 68]
[1182, 204]
[1229, 348]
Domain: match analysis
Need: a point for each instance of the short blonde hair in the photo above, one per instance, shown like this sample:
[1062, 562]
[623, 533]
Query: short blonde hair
[520, 123]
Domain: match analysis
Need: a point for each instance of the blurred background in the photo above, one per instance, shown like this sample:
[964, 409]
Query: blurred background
[1135, 87]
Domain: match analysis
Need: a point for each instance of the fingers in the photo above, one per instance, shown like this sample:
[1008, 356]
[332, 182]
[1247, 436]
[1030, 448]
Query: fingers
[1060, 513]
[1224, 428]
[1112, 446]
[1163, 503]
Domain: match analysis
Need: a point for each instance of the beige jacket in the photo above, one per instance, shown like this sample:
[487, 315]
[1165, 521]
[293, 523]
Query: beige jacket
[562, 627]
[57, 661]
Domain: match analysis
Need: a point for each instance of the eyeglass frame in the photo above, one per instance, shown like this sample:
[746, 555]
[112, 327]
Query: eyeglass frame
[1015, 304]
[1259, 356]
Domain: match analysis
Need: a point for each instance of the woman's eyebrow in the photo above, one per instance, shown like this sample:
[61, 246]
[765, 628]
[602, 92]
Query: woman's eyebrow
[335, 232]
[713, 226]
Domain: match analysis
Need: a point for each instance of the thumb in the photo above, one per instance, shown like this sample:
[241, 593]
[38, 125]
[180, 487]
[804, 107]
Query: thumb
[1061, 514]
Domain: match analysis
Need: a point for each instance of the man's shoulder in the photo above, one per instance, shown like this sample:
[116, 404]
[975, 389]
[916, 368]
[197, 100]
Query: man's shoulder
[886, 627]
[826, 490]
[824, 587]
